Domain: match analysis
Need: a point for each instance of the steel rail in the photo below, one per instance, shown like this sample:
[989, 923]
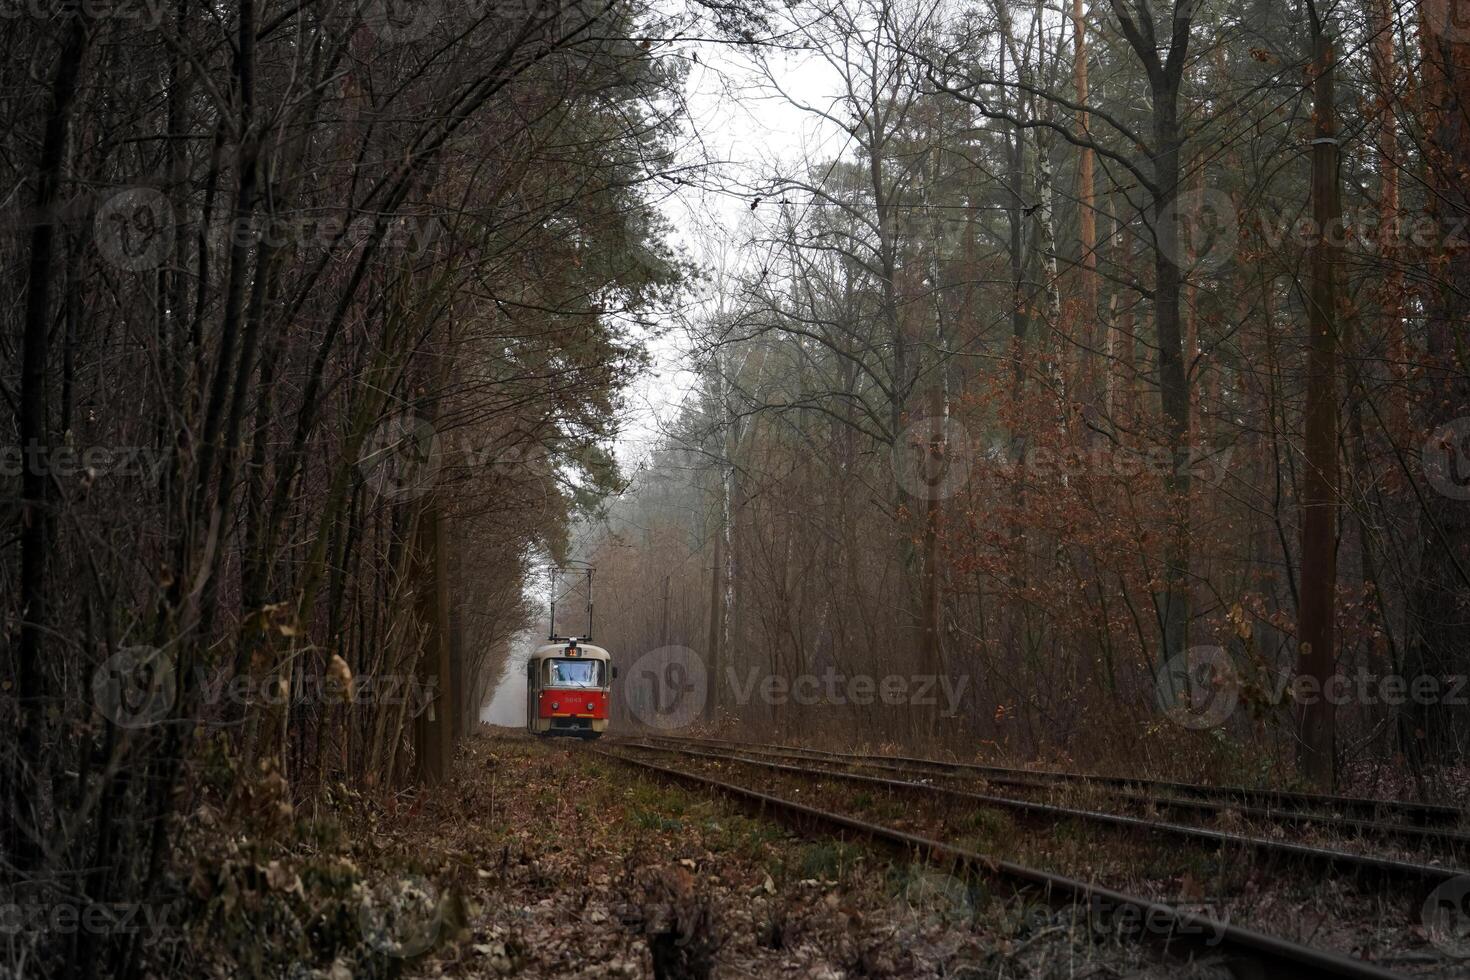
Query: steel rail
[1450, 840]
[1431, 875]
[1140, 919]
[1416, 813]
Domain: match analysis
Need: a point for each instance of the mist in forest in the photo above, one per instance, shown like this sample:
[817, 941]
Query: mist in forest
[1078, 385]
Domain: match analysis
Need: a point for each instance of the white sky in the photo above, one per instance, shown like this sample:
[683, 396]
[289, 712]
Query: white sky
[749, 132]
[751, 135]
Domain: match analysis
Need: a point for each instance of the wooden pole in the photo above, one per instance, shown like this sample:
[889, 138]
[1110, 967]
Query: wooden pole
[1315, 630]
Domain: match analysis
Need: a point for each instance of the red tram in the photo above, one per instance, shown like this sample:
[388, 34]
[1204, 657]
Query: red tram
[568, 680]
[567, 688]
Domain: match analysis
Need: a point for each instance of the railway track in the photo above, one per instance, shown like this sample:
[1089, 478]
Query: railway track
[1363, 865]
[1279, 802]
[1449, 842]
[1179, 933]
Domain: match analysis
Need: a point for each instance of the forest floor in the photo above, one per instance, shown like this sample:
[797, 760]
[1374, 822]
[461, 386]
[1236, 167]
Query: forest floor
[548, 859]
[582, 868]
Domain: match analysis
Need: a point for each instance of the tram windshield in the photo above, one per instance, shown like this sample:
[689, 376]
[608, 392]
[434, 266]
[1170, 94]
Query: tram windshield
[575, 673]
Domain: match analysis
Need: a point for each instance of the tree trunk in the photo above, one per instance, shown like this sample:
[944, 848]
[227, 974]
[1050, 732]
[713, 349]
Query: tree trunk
[1087, 223]
[1437, 732]
[32, 689]
[1317, 653]
[1391, 288]
[716, 609]
[1173, 600]
[434, 728]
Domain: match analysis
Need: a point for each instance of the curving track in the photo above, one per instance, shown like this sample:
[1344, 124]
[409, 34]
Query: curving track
[1279, 802]
[1179, 933]
[1213, 802]
[1363, 865]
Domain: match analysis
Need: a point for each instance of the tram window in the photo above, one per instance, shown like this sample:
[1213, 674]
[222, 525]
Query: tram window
[575, 673]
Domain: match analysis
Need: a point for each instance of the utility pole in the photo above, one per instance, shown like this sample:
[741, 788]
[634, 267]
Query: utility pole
[666, 612]
[716, 617]
[1316, 722]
